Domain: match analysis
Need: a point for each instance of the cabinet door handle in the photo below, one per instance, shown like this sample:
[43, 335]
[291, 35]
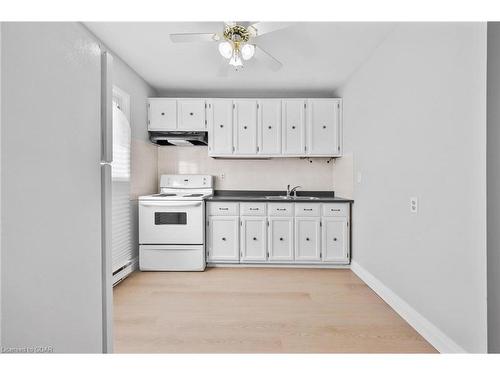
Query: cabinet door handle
[221, 125]
[244, 127]
[223, 238]
[269, 127]
[307, 238]
[255, 238]
[324, 126]
[335, 238]
[281, 238]
[163, 113]
[191, 113]
[293, 127]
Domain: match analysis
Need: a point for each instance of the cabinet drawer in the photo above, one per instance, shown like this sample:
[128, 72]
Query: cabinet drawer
[307, 209]
[253, 209]
[336, 209]
[280, 209]
[223, 209]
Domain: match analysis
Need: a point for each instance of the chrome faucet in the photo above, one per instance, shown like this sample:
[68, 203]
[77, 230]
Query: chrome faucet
[292, 190]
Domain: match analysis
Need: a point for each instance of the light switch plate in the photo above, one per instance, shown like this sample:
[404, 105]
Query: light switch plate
[414, 205]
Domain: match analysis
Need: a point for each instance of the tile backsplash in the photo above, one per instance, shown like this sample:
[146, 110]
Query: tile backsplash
[255, 174]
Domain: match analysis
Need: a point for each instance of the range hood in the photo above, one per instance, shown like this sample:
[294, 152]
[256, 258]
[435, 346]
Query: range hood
[177, 138]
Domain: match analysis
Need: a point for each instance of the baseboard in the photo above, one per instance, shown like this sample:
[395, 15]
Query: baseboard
[123, 273]
[429, 331]
[277, 265]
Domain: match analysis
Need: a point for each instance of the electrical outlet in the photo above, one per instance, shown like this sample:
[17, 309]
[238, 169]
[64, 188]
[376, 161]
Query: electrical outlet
[222, 176]
[414, 205]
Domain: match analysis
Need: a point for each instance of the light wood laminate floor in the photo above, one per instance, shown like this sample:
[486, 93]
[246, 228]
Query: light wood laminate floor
[257, 310]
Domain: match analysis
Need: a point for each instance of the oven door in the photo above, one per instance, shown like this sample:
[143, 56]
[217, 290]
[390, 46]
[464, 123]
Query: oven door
[171, 222]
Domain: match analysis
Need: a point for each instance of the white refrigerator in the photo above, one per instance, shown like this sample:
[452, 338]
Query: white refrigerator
[56, 150]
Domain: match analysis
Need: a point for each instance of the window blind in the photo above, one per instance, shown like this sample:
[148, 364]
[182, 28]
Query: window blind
[122, 250]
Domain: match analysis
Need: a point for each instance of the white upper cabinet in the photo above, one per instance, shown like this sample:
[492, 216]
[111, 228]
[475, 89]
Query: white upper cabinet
[322, 129]
[191, 115]
[245, 127]
[269, 127]
[220, 127]
[293, 131]
[162, 114]
[242, 128]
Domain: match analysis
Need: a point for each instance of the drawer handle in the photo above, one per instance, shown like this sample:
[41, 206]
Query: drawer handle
[221, 125]
[255, 238]
[281, 209]
[335, 209]
[307, 238]
[253, 209]
[307, 209]
[281, 238]
[335, 238]
[223, 208]
[223, 238]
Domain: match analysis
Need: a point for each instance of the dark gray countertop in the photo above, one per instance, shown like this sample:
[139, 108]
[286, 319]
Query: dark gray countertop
[260, 195]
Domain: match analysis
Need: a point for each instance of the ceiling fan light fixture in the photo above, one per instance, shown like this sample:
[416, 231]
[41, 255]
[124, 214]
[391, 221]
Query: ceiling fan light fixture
[247, 51]
[235, 60]
[226, 49]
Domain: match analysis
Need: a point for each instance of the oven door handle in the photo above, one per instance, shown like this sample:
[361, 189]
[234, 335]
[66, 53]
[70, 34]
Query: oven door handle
[170, 204]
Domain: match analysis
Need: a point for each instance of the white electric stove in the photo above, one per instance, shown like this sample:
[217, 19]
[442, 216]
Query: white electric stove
[172, 224]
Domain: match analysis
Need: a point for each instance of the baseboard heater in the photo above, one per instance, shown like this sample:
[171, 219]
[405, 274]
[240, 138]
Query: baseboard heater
[121, 273]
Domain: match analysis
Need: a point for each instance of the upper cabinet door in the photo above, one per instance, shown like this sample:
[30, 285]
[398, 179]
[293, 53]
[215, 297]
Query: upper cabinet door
[220, 123]
[269, 127]
[191, 114]
[162, 114]
[245, 127]
[293, 127]
[323, 127]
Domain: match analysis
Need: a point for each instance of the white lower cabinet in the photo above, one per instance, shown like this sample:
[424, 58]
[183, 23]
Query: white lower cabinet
[223, 239]
[307, 239]
[278, 233]
[280, 239]
[335, 239]
[253, 239]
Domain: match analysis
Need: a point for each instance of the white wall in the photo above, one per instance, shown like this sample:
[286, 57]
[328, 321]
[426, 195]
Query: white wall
[266, 174]
[415, 121]
[493, 187]
[143, 154]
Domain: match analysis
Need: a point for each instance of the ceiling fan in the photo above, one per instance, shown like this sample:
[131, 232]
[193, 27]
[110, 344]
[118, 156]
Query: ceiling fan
[237, 43]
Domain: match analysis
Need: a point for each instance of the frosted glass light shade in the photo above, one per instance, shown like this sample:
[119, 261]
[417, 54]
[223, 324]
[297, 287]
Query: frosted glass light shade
[247, 51]
[226, 49]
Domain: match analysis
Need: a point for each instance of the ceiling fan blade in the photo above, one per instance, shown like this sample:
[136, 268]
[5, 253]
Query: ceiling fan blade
[261, 28]
[268, 59]
[194, 37]
[223, 70]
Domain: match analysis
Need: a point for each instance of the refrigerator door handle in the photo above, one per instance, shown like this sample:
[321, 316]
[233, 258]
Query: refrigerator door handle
[106, 107]
[106, 258]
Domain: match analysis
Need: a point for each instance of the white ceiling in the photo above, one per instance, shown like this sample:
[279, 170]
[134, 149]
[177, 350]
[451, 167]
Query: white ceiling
[317, 57]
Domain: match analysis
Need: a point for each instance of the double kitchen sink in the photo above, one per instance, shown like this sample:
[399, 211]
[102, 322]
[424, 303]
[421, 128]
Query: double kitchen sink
[291, 198]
